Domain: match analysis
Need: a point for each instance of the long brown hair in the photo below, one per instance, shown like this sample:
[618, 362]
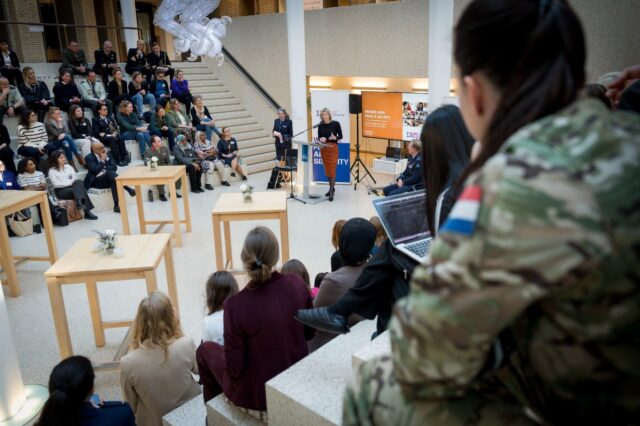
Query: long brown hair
[533, 51]
[220, 286]
[260, 254]
[335, 233]
[156, 323]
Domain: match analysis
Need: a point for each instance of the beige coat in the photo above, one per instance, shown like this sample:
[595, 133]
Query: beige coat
[153, 385]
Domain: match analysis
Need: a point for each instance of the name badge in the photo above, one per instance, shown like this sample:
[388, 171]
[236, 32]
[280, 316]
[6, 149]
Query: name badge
[9, 184]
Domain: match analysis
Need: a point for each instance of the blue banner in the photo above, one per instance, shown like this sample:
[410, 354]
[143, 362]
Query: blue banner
[343, 174]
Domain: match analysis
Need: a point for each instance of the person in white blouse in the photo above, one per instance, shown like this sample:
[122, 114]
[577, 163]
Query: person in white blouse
[66, 184]
[220, 286]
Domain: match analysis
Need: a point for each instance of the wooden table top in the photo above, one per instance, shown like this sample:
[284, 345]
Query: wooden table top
[263, 202]
[144, 172]
[141, 253]
[8, 199]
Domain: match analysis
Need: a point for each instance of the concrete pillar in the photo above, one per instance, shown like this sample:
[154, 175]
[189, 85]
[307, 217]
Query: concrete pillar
[129, 19]
[12, 391]
[298, 77]
[440, 42]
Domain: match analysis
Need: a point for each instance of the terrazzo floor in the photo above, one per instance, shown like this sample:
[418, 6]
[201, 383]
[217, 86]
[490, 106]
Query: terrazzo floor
[30, 314]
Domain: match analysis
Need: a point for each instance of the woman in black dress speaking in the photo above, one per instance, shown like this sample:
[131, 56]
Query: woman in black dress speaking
[329, 132]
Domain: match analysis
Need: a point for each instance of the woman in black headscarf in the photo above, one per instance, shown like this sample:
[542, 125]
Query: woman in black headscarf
[446, 152]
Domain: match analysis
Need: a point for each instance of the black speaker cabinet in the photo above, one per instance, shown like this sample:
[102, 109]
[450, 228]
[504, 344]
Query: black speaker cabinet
[355, 103]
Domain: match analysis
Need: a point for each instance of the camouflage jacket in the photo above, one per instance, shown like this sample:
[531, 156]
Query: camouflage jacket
[532, 290]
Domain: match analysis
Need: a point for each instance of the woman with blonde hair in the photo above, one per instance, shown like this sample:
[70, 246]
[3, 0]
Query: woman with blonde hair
[259, 346]
[155, 375]
[329, 133]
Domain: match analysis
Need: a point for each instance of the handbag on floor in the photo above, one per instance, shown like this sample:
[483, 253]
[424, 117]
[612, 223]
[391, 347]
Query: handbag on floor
[59, 216]
[21, 224]
[73, 213]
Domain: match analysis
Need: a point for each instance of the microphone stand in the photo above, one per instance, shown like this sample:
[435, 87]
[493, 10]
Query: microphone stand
[288, 159]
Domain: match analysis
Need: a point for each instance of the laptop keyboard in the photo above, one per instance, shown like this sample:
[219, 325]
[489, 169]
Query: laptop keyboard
[420, 248]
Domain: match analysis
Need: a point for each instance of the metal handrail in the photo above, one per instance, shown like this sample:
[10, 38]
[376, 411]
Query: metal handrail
[52, 24]
[250, 79]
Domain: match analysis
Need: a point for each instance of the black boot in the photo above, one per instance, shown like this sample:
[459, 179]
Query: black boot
[322, 319]
[88, 215]
[332, 188]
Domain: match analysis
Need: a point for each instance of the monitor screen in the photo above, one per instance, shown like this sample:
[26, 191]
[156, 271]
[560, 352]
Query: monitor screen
[404, 216]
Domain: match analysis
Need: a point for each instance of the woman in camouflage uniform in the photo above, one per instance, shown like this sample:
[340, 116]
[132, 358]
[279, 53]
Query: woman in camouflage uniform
[527, 310]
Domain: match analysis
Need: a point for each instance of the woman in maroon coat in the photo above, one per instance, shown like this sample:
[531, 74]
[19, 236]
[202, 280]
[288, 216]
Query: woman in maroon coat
[261, 337]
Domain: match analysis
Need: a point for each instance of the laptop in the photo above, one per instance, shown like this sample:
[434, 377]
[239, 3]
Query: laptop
[404, 218]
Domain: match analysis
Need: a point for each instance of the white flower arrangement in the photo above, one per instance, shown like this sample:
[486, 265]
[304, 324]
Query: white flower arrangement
[247, 191]
[153, 164]
[106, 241]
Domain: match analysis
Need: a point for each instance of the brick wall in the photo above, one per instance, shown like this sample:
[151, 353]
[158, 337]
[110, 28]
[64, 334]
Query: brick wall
[84, 13]
[266, 6]
[28, 45]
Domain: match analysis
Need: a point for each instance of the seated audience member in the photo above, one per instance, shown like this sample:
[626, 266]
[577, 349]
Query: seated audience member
[131, 127]
[35, 93]
[93, 92]
[159, 60]
[66, 92]
[137, 60]
[294, 266]
[33, 140]
[282, 133]
[66, 184]
[158, 125]
[8, 180]
[72, 400]
[201, 119]
[102, 173]
[73, 59]
[259, 346]
[60, 135]
[184, 154]
[385, 278]
[228, 152]
[357, 238]
[160, 89]
[208, 155]
[105, 61]
[411, 178]
[381, 234]
[158, 150]
[117, 89]
[11, 101]
[177, 120]
[139, 93]
[155, 375]
[336, 257]
[6, 153]
[29, 177]
[9, 64]
[220, 286]
[105, 128]
[80, 129]
[516, 316]
[180, 90]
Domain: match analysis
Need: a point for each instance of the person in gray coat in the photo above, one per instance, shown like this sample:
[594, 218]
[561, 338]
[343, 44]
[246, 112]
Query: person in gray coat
[184, 154]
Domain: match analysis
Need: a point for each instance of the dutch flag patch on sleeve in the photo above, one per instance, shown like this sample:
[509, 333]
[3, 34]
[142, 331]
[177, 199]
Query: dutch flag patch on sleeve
[462, 219]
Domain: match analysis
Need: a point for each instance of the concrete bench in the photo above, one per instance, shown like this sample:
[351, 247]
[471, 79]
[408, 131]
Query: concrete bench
[221, 413]
[310, 392]
[376, 348]
[192, 412]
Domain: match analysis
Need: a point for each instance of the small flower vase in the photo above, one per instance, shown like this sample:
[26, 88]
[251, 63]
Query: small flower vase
[153, 164]
[109, 251]
[247, 192]
[247, 196]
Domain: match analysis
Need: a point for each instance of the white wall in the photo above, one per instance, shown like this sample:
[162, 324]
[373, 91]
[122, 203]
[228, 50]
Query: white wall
[391, 40]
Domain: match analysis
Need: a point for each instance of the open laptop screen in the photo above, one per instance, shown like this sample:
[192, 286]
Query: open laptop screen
[404, 216]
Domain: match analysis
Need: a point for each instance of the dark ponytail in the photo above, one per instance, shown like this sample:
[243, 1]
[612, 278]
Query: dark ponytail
[533, 51]
[70, 384]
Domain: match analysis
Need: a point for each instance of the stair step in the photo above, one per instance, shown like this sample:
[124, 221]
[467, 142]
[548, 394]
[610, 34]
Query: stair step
[205, 87]
[260, 158]
[215, 109]
[245, 128]
[192, 412]
[206, 95]
[234, 122]
[221, 413]
[251, 135]
[205, 77]
[257, 150]
[217, 102]
[378, 347]
[257, 142]
[259, 167]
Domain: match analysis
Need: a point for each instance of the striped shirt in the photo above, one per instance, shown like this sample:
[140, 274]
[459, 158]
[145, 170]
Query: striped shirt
[31, 179]
[34, 136]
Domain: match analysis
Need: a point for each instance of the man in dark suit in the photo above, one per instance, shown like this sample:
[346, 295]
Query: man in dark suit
[137, 61]
[73, 59]
[158, 59]
[101, 173]
[105, 61]
[411, 179]
[9, 64]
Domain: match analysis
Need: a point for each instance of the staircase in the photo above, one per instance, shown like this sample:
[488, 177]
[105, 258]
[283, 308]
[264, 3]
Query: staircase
[255, 142]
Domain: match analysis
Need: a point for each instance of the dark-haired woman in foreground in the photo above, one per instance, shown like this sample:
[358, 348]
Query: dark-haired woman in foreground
[525, 312]
[72, 401]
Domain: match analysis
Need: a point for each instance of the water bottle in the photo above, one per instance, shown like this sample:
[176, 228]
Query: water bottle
[150, 196]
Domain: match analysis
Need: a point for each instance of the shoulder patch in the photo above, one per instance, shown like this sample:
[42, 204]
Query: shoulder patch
[462, 219]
